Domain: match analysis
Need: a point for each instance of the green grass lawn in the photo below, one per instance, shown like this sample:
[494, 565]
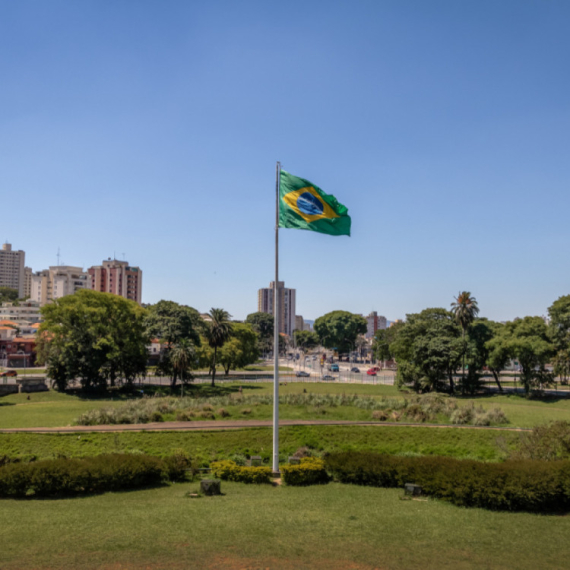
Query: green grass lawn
[206, 446]
[254, 527]
[50, 409]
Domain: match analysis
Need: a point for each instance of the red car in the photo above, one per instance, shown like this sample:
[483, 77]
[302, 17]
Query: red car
[372, 371]
[8, 373]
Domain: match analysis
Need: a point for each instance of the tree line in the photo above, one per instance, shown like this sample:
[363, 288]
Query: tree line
[431, 346]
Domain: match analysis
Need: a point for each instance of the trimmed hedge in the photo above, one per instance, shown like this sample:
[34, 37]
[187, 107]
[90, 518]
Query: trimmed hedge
[536, 486]
[102, 473]
[310, 471]
[231, 471]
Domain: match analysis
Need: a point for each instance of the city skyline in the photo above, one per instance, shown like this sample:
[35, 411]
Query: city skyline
[442, 127]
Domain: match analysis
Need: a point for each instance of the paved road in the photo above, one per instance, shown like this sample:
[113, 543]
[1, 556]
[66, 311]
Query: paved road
[232, 424]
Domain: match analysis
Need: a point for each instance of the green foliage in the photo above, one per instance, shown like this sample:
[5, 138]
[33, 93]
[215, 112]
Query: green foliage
[178, 328]
[180, 466]
[536, 486]
[60, 477]
[306, 340]
[428, 349]
[559, 313]
[528, 341]
[262, 324]
[339, 330]
[218, 331]
[8, 295]
[548, 442]
[97, 337]
[231, 471]
[310, 471]
[241, 349]
[383, 339]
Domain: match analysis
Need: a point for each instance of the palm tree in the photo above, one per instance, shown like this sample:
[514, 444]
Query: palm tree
[181, 358]
[465, 310]
[218, 332]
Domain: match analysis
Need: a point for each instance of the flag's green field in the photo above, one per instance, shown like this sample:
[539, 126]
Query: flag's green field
[330, 527]
[50, 409]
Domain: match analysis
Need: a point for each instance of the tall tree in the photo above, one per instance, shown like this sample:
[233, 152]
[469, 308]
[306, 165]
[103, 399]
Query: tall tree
[428, 350]
[559, 313]
[338, 330]
[218, 332]
[182, 358]
[465, 310]
[241, 349]
[175, 326]
[383, 339]
[306, 340]
[262, 324]
[96, 337]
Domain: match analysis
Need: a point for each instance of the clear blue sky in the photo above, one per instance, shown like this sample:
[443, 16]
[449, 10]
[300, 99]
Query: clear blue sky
[151, 128]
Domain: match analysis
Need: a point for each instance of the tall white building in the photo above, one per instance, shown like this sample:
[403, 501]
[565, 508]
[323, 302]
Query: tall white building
[57, 282]
[286, 304]
[12, 269]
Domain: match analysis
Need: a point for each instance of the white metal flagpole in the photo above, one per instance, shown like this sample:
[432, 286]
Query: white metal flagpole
[276, 331]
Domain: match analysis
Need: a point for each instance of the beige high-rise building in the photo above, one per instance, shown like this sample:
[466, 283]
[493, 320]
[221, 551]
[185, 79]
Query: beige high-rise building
[286, 304]
[117, 277]
[27, 282]
[57, 282]
[299, 323]
[12, 269]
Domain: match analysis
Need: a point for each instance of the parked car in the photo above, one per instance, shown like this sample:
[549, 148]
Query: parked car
[328, 377]
[8, 373]
[355, 369]
[371, 371]
[333, 368]
[302, 373]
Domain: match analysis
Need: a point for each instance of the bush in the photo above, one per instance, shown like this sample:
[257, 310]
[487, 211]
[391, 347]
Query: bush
[112, 472]
[230, 471]
[223, 413]
[179, 466]
[310, 471]
[246, 411]
[549, 442]
[156, 417]
[380, 415]
[536, 486]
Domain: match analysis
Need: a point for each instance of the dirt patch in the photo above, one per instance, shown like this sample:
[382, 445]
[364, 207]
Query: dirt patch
[240, 563]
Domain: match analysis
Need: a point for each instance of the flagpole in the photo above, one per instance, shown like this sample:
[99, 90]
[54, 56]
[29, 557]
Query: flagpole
[276, 330]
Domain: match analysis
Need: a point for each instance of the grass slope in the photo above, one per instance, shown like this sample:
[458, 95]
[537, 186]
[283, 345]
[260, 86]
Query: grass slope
[206, 446]
[50, 409]
[324, 527]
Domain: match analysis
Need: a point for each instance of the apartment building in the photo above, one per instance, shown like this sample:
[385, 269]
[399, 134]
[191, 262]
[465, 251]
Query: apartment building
[58, 281]
[24, 313]
[375, 322]
[12, 269]
[286, 305]
[117, 277]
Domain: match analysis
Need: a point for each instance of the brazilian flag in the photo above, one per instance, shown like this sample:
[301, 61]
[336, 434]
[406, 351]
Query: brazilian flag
[304, 206]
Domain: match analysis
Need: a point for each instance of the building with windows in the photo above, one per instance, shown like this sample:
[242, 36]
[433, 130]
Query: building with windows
[57, 282]
[117, 277]
[12, 269]
[375, 322]
[299, 323]
[286, 305]
[22, 313]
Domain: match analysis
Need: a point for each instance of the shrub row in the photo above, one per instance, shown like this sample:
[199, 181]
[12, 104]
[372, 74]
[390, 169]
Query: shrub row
[231, 471]
[102, 473]
[310, 471]
[527, 485]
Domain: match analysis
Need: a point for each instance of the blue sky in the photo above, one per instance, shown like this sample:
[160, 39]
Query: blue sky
[151, 129]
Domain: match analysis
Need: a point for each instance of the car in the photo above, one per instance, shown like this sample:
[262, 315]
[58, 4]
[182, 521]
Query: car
[333, 368]
[328, 377]
[314, 358]
[355, 369]
[8, 373]
[371, 372]
[302, 373]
